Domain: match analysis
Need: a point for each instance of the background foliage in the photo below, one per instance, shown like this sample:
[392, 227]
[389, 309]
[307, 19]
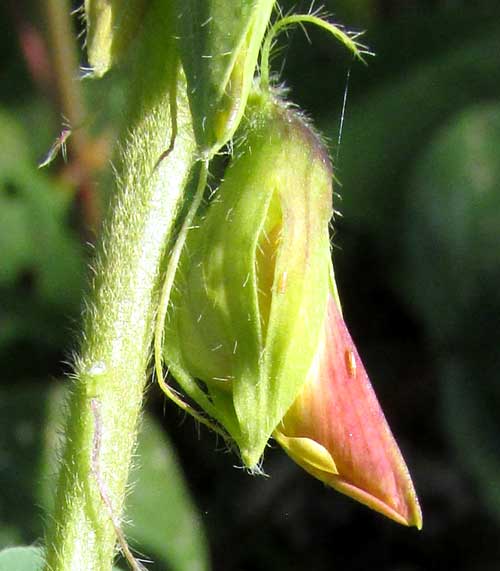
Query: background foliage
[417, 256]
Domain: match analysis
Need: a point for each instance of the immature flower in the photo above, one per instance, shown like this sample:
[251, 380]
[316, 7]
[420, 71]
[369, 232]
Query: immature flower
[255, 334]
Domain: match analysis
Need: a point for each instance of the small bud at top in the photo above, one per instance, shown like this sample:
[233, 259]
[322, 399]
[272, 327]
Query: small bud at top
[111, 27]
[219, 45]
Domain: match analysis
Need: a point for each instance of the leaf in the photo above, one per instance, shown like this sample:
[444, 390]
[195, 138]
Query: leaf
[163, 519]
[384, 131]
[34, 233]
[21, 559]
[21, 442]
[39, 249]
[24, 559]
[471, 419]
[9, 535]
[34, 236]
[452, 222]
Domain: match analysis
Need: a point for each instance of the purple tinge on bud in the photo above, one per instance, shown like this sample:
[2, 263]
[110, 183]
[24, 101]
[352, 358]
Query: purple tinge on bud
[337, 432]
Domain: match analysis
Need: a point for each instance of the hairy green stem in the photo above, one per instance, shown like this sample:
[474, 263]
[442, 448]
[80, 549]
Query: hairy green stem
[110, 372]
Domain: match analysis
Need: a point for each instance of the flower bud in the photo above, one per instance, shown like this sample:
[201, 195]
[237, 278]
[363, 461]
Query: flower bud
[255, 334]
[252, 287]
[111, 26]
[219, 46]
[337, 432]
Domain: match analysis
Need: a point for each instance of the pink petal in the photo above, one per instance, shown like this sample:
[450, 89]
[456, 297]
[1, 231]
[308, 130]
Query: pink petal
[338, 413]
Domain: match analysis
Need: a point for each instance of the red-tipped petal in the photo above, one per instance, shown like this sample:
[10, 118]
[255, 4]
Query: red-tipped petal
[337, 431]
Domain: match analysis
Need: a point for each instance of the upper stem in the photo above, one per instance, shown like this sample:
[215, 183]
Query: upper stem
[110, 373]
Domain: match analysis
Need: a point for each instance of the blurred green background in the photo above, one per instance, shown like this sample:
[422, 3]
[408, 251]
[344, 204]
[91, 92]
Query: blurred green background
[417, 258]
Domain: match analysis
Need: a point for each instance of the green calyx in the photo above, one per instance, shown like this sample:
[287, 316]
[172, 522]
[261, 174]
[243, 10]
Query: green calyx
[250, 294]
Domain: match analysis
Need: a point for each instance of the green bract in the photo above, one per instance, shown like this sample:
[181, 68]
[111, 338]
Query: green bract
[219, 45]
[249, 302]
[111, 26]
